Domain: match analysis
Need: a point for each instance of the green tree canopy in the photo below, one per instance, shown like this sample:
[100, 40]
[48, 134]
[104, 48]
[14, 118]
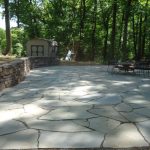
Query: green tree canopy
[93, 29]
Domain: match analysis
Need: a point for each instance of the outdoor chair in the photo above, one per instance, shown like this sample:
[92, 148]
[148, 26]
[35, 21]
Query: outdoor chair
[143, 67]
[137, 67]
[125, 66]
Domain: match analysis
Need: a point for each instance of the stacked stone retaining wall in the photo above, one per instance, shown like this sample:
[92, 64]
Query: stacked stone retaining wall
[14, 72]
[37, 62]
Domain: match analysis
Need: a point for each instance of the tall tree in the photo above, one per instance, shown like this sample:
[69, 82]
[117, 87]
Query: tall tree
[7, 24]
[113, 34]
[94, 31]
[105, 19]
[82, 9]
[134, 34]
[125, 31]
[144, 29]
[17, 3]
[139, 54]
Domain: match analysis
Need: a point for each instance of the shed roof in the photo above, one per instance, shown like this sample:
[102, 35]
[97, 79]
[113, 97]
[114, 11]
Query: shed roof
[50, 41]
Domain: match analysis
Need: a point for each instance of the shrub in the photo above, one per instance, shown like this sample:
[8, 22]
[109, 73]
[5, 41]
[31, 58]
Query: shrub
[18, 49]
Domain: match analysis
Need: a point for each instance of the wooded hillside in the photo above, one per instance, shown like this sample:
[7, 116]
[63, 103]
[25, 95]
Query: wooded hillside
[96, 30]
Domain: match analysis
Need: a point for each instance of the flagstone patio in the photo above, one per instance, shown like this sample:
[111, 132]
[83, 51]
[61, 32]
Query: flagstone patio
[76, 107]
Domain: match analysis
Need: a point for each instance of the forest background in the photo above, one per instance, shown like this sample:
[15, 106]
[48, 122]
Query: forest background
[96, 30]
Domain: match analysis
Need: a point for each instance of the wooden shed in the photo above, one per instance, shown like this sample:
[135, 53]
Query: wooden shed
[42, 48]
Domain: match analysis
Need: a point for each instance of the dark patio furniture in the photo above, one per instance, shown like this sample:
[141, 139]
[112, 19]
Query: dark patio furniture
[143, 67]
[120, 66]
[137, 67]
[126, 66]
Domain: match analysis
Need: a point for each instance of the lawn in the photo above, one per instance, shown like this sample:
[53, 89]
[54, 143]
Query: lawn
[6, 59]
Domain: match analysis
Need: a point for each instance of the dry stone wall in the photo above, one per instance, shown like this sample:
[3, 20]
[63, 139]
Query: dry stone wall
[37, 62]
[14, 72]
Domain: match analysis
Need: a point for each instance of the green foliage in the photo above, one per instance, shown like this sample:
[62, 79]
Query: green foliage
[81, 26]
[2, 40]
[18, 49]
[19, 39]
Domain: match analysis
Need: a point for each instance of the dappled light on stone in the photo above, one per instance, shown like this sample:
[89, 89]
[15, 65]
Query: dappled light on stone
[75, 107]
[34, 109]
[118, 83]
[76, 140]
[126, 135]
[10, 114]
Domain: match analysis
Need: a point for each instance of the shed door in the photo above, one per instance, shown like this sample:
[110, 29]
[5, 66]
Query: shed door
[37, 50]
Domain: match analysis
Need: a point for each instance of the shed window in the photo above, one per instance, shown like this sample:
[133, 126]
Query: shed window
[37, 50]
[53, 49]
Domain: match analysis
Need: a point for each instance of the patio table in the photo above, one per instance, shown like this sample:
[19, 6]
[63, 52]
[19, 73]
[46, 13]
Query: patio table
[126, 66]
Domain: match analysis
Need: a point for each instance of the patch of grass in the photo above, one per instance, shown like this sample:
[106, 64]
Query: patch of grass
[6, 59]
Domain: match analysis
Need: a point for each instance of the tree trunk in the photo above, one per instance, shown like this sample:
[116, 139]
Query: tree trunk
[140, 39]
[134, 36]
[79, 54]
[113, 34]
[121, 31]
[17, 12]
[8, 33]
[106, 39]
[144, 31]
[94, 31]
[125, 31]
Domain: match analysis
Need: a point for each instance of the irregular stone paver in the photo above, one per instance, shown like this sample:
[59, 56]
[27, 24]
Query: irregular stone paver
[69, 113]
[103, 125]
[84, 123]
[108, 112]
[20, 140]
[10, 127]
[111, 99]
[49, 104]
[75, 107]
[34, 109]
[10, 114]
[136, 99]
[70, 140]
[58, 126]
[107, 99]
[51, 95]
[138, 105]
[90, 97]
[134, 117]
[143, 111]
[144, 128]
[9, 106]
[126, 135]
[123, 107]
[145, 86]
